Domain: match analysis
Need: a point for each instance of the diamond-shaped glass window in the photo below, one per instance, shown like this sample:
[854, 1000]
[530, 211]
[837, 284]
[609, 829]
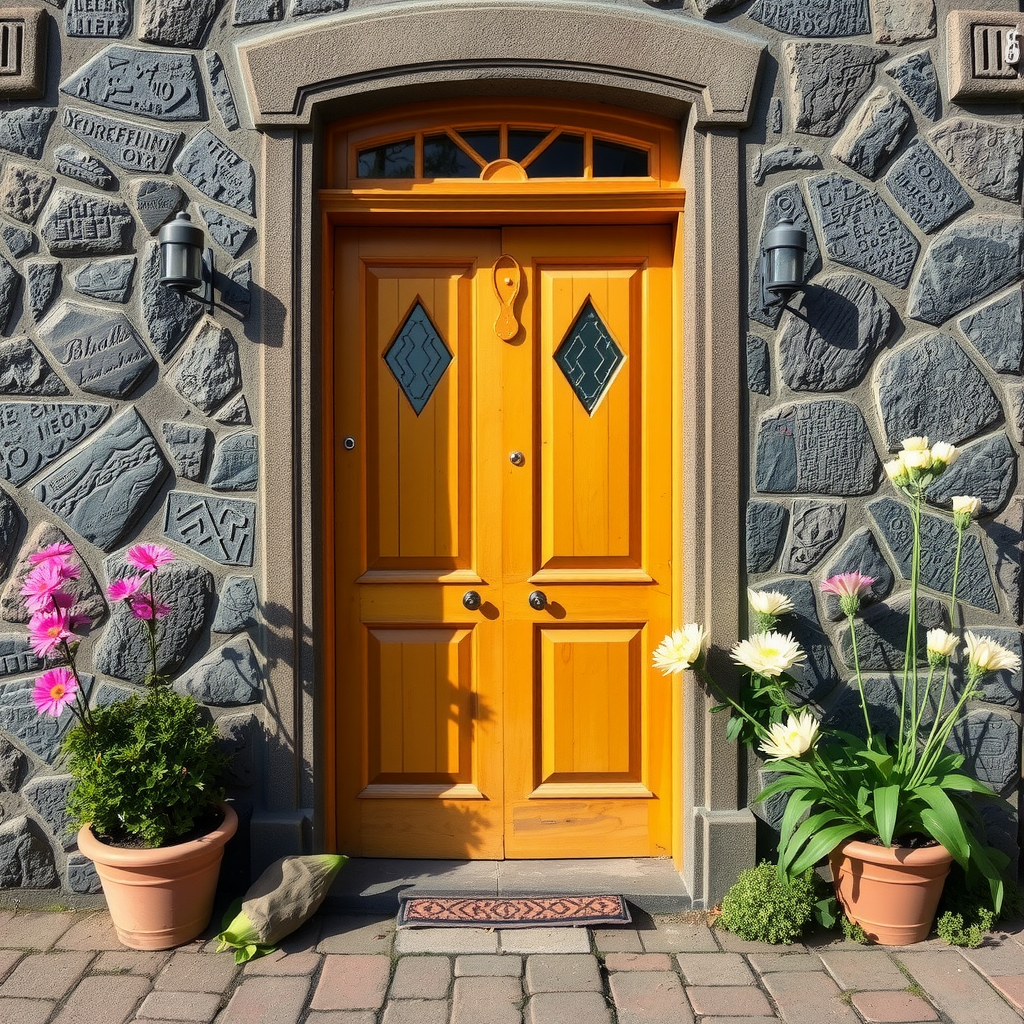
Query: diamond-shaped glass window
[417, 357]
[589, 357]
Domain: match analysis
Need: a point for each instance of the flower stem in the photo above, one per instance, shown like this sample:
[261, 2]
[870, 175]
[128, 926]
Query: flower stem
[860, 679]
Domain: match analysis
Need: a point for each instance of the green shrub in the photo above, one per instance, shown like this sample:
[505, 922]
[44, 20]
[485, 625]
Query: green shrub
[764, 907]
[966, 911]
[147, 770]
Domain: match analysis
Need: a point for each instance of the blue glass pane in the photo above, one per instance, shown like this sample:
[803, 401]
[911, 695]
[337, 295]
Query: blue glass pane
[443, 158]
[563, 158]
[486, 141]
[612, 160]
[418, 358]
[395, 160]
[589, 357]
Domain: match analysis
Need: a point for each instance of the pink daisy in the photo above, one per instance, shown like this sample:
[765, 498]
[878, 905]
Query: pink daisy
[59, 550]
[144, 607]
[40, 585]
[46, 630]
[121, 590]
[149, 557]
[54, 690]
[847, 584]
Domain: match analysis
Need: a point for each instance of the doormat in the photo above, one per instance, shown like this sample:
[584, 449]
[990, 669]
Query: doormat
[510, 911]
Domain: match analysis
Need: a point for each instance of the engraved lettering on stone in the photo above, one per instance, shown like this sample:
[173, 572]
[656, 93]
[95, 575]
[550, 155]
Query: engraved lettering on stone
[900, 21]
[991, 743]
[860, 554]
[874, 133]
[99, 350]
[220, 88]
[76, 164]
[34, 434]
[152, 83]
[235, 463]
[186, 445]
[218, 171]
[813, 17]
[231, 234]
[986, 470]
[23, 190]
[21, 241]
[997, 331]
[820, 447]
[157, 202]
[168, 314]
[930, 385]
[916, 76]
[9, 281]
[765, 520]
[132, 146]
[24, 131]
[848, 322]
[24, 371]
[814, 527]
[208, 371]
[972, 258]
[222, 529]
[181, 23]
[926, 188]
[102, 489]
[16, 655]
[938, 553]
[984, 155]
[98, 18]
[78, 223]
[782, 158]
[42, 276]
[861, 230]
[826, 81]
[106, 279]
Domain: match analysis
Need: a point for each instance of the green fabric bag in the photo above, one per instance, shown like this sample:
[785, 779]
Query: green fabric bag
[282, 899]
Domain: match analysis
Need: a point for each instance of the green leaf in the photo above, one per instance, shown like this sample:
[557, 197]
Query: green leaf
[886, 803]
[822, 843]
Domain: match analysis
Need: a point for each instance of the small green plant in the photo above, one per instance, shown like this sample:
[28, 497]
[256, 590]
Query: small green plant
[763, 906]
[853, 931]
[966, 911]
[149, 767]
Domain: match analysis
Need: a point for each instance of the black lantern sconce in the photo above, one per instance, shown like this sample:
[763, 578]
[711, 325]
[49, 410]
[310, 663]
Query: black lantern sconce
[185, 264]
[782, 263]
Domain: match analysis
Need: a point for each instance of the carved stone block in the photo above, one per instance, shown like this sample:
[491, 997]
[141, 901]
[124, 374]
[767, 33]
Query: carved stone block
[915, 75]
[186, 445]
[236, 289]
[235, 463]
[814, 527]
[985, 155]
[847, 323]
[157, 201]
[102, 490]
[208, 371]
[874, 133]
[24, 371]
[301, 7]
[106, 279]
[236, 733]
[23, 33]
[986, 470]
[975, 48]
[231, 234]
[214, 168]
[220, 89]
[238, 605]
[11, 520]
[169, 315]
[42, 735]
[990, 741]
[255, 12]
[26, 858]
[74, 163]
[34, 434]
[813, 17]
[860, 554]
[23, 190]
[222, 529]
[901, 21]
[24, 131]
[226, 678]
[882, 632]
[181, 23]
[43, 277]
[782, 158]
[82, 877]
[105, 19]
[820, 447]
[931, 385]
[135, 147]
[765, 520]
[826, 81]
[48, 797]
[1007, 534]
[861, 230]
[152, 83]
[10, 279]
[926, 188]
[81, 223]
[938, 551]
[235, 413]
[13, 766]
[20, 240]
[969, 260]
[16, 655]
[759, 375]
[996, 330]
[817, 677]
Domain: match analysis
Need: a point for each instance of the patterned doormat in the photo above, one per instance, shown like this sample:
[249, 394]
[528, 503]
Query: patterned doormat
[510, 911]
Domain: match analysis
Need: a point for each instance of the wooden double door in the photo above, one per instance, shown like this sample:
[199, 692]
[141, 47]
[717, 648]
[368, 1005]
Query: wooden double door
[503, 464]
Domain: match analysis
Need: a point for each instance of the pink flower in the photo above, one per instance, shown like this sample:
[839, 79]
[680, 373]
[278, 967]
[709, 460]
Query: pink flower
[149, 557]
[42, 583]
[54, 690]
[46, 630]
[59, 551]
[145, 607]
[121, 590]
[849, 587]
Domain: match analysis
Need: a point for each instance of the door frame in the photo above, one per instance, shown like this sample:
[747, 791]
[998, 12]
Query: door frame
[472, 203]
[705, 77]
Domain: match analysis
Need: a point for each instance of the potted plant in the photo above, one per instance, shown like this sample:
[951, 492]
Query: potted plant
[888, 807]
[147, 795]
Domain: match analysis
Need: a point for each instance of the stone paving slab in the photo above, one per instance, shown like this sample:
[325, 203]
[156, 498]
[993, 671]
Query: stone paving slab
[893, 1007]
[955, 989]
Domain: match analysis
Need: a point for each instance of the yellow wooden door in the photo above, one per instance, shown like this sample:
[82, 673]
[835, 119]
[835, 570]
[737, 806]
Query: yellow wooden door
[503, 535]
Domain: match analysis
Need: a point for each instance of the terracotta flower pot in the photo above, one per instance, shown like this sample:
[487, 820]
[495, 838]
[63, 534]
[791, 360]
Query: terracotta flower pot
[892, 893]
[160, 898]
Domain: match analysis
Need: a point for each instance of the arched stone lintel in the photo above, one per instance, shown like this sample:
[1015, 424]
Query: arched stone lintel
[713, 70]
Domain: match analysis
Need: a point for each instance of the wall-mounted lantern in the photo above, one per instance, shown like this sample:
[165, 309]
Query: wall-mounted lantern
[782, 262]
[185, 264]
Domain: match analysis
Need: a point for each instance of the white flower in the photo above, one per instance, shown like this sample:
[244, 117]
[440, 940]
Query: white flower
[769, 602]
[945, 453]
[985, 655]
[793, 738]
[916, 458]
[964, 504]
[681, 648]
[895, 469]
[769, 654]
[941, 643]
[915, 444]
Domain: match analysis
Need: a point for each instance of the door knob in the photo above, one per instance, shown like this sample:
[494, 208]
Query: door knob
[538, 600]
[471, 600]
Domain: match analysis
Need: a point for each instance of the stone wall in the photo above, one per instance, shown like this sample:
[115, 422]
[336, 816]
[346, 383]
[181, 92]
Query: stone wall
[129, 414]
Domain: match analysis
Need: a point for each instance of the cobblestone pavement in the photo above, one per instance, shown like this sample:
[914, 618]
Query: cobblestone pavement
[68, 968]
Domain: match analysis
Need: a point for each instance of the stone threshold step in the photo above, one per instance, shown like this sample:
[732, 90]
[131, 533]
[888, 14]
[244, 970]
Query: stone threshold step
[373, 886]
